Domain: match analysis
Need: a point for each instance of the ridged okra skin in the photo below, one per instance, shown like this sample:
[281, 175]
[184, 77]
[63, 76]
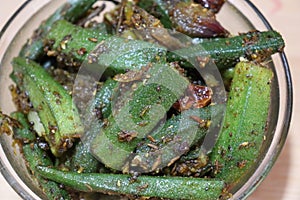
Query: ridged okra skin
[74, 45]
[71, 11]
[226, 52]
[148, 186]
[239, 145]
[52, 102]
[133, 54]
[144, 107]
[35, 156]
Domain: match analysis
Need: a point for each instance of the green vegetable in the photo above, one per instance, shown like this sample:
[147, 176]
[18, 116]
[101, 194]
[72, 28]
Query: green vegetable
[71, 11]
[81, 160]
[161, 187]
[53, 104]
[35, 156]
[100, 106]
[173, 139]
[73, 45]
[23, 132]
[145, 107]
[239, 145]
[226, 52]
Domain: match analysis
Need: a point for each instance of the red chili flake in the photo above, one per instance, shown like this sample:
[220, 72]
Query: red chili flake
[241, 164]
[81, 51]
[197, 96]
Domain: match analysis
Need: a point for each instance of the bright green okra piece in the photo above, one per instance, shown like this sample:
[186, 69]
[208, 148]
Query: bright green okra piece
[240, 142]
[133, 54]
[142, 111]
[82, 160]
[34, 156]
[226, 52]
[173, 139]
[51, 101]
[74, 45]
[148, 186]
[71, 11]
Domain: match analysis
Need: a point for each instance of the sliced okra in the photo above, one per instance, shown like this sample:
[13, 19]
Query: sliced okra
[239, 145]
[146, 103]
[112, 54]
[146, 186]
[52, 102]
[226, 52]
[71, 11]
[34, 156]
[172, 139]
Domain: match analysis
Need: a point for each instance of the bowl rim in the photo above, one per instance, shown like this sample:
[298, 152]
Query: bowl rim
[285, 128]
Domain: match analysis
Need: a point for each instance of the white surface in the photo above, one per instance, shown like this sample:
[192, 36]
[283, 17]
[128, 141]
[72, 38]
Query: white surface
[283, 182]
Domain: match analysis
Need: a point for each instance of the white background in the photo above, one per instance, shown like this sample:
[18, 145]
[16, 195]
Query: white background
[283, 183]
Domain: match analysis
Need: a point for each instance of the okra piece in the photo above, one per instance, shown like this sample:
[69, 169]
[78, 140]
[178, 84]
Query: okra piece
[52, 102]
[149, 100]
[73, 45]
[147, 186]
[239, 145]
[172, 139]
[100, 106]
[24, 132]
[226, 52]
[71, 11]
[35, 156]
[82, 161]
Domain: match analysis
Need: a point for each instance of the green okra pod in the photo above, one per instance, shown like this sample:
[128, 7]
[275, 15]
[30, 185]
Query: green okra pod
[71, 11]
[226, 52]
[148, 186]
[112, 54]
[82, 160]
[100, 106]
[51, 101]
[34, 156]
[24, 132]
[239, 145]
[172, 139]
[147, 103]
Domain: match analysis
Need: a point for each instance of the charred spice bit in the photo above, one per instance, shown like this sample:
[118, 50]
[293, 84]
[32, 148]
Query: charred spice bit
[144, 111]
[93, 40]
[151, 138]
[246, 145]
[127, 136]
[81, 51]
[201, 122]
[65, 40]
[143, 187]
[152, 146]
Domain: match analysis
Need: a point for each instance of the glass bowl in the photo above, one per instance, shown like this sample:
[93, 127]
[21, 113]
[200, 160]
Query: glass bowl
[236, 15]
